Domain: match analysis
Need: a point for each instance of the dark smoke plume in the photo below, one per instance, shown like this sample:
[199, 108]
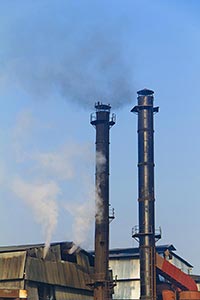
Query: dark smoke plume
[84, 64]
[99, 74]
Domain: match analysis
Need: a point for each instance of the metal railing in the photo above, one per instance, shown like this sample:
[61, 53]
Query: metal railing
[138, 231]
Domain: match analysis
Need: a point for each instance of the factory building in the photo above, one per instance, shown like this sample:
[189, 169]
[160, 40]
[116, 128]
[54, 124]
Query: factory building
[148, 272]
[125, 264]
[60, 275]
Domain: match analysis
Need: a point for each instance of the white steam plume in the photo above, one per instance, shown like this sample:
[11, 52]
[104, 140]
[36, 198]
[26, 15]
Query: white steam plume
[44, 175]
[83, 217]
[100, 161]
[83, 214]
[61, 164]
[43, 200]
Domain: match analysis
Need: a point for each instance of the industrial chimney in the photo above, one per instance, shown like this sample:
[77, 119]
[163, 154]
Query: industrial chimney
[146, 230]
[102, 121]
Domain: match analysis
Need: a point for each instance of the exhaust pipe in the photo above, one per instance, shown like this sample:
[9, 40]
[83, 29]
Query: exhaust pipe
[145, 233]
[102, 121]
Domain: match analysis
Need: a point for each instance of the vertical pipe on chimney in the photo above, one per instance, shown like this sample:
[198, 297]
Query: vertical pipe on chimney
[102, 122]
[146, 231]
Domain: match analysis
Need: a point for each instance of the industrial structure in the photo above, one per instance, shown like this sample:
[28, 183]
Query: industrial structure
[103, 286]
[148, 272]
[152, 264]
[146, 230]
[62, 275]
[125, 264]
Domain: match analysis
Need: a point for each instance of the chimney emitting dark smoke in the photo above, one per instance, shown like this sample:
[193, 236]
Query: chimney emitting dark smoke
[102, 122]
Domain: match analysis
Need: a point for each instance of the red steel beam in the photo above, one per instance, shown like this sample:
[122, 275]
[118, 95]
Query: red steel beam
[175, 275]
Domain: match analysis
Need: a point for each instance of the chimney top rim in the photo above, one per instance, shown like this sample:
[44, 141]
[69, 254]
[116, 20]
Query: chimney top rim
[102, 106]
[145, 92]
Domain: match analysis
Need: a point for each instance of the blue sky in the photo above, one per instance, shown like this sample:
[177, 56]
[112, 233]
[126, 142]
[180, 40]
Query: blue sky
[57, 58]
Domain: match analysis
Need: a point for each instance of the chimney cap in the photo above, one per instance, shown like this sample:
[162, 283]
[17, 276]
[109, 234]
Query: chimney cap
[101, 106]
[145, 92]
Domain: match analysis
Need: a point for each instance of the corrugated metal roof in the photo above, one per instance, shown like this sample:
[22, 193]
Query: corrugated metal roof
[69, 294]
[12, 284]
[182, 260]
[83, 261]
[58, 273]
[134, 252]
[30, 246]
[12, 265]
[64, 247]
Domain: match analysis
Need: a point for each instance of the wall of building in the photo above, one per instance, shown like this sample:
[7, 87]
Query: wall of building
[126, 267]
[181, 265]
[127, 271]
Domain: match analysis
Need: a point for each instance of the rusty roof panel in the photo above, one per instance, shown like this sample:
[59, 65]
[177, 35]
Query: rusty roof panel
[69, 294]
[12, 284]
[12, 265]
[57, 273]
[83, 260]
[13, 294]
